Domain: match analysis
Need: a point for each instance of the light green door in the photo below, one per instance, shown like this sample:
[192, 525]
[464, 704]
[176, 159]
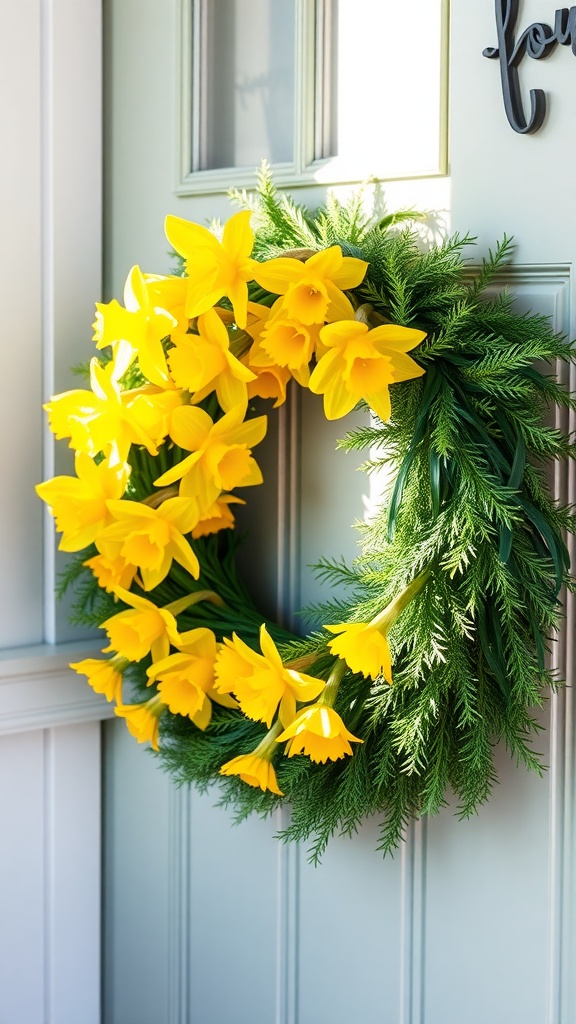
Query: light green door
[206, 923]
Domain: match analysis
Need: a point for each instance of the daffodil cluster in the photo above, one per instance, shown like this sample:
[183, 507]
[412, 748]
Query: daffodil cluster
[176, 368]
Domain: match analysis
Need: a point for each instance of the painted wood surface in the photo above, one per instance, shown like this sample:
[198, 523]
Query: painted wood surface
[206, 922]
[50, 270]
[471, 921]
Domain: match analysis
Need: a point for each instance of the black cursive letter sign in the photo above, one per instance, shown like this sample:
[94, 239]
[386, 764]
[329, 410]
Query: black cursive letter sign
[510, 57]
[537, 41]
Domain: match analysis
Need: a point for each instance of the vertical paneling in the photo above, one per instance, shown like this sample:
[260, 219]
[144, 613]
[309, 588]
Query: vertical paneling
[21, 611]
[49, 876]
[71, 190]
[413, 923]
[23, 928]
[561, 990]
[288, 926]
[333, 495]
[349, 949]
[487, 908]
[232, 967]
[136, 882]
[50, 269]
[72, 859]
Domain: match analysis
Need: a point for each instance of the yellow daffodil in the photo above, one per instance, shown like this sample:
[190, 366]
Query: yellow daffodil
[218, 517]
[363, 363]
[313, 290]
[363, 647]
[104, 675]
[108, 420]
[282, 341]
[152, 409]
[151, 538]
[142, 719]
[79, 503]
[221, 453]
[215, 269]
[319, 732]
[256, 768]
[169, 293]
[203, 363]
[186, 679]
[260, 682]
[141, 629]
[141, 325]
[112, 572]
[94, 420]
[270, 381]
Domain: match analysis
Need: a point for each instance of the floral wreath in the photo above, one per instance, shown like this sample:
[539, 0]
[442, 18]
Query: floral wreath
[435, 645]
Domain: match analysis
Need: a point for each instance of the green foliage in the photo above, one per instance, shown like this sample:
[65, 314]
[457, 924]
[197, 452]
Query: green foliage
[469, 443]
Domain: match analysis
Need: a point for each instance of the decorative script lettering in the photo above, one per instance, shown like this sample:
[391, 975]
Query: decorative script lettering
[537, 41]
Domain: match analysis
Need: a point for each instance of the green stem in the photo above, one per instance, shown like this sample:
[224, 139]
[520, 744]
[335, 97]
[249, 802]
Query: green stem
[267, 747]
[385, 619]
[175, 607]
[330, 691]
[156, 499]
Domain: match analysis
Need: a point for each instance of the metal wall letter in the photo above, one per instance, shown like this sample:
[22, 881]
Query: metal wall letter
[537, 41]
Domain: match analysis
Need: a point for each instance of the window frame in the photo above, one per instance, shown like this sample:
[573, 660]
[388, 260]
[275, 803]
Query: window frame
[310, 100]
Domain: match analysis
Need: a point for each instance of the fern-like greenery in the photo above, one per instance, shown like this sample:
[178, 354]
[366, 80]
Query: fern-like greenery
[470, 443]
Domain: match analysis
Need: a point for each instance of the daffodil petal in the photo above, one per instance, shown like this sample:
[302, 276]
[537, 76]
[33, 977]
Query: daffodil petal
[393, 337]
[189, 427]
[231, 391]
[325, 263]
[202, 717]
[405, 368]
[249, 433]
[337, 399]
[151, 578]
[238, 295]
[324, 371]
[340, 307]
[183, 513]
[183, 554]
[134, 600]
[178, 471]
[337, 334]
[238, 237]
[269, 649]
[380, 403]
[278, 274]
[160, 647]
[287, 709]
[351, 273]
[186, 237]
[199, 300]
[122, 508]
[135, 291]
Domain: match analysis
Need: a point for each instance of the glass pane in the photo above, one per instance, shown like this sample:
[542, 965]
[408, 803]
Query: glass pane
[379, 85]
[247, 88]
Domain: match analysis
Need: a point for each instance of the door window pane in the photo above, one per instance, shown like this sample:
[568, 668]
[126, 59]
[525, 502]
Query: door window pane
[378, 85]
[248, 83]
